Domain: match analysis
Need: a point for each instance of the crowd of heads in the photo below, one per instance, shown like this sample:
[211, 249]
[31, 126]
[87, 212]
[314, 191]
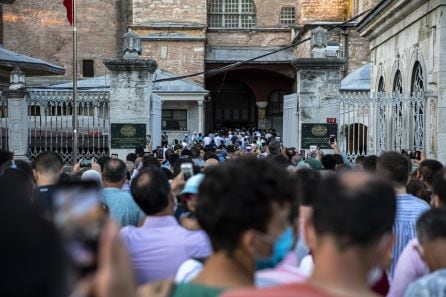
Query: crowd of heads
[244, 192]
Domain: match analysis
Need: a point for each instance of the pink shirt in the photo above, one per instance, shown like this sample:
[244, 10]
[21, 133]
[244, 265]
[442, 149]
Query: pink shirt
[286, 272]
[409, 268]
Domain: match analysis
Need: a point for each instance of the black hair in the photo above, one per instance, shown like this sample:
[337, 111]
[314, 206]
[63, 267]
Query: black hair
[25, 167]
[102, 160]
[369, 163]
[354, 215]
[338, 159]
[307, 181]
[432, 225]
[238, 196]
[48, 162]
[172, 158]
[5, 157]
[428, 168]
[185, 152]
[274, 148]
[150, 161]
[329, 162]
[419, 189]
[439, 186]
[150, 190]
[280, 160]
[139, 151]
[114, 170]
[211, 155]
[195, 152]
[131, 157]
[394, 167]
[360, 160]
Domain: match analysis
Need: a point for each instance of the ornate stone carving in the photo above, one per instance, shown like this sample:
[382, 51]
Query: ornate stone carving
[17, 79]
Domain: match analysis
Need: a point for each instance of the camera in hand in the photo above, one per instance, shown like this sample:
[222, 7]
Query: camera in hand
[332, 139]
[187, 169]
[85, 163]
[412, 154]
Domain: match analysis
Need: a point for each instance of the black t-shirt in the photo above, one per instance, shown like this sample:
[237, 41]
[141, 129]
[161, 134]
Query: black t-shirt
[43, 201]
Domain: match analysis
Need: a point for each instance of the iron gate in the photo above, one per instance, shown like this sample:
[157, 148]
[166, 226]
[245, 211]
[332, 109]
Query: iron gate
[50, 123]
[371, 125]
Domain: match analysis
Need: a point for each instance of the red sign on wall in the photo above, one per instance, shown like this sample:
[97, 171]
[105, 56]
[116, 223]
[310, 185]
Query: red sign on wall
[331, 120]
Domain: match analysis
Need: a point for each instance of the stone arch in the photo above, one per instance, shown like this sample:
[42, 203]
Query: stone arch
[416, 57]
[380, 73]
[397, 70]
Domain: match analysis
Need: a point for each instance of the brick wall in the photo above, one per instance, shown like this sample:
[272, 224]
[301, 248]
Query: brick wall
[324, 10]
[39, 28]
[169, 10]
[182, 57]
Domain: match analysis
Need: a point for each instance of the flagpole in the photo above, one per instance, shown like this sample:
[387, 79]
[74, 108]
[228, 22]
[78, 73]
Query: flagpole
[74, 112]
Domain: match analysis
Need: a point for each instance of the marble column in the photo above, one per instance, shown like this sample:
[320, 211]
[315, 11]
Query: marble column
[17, 114]
[200, 116]
[261, 114]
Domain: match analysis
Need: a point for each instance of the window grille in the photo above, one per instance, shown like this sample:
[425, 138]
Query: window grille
[287, 15]
[232, 14]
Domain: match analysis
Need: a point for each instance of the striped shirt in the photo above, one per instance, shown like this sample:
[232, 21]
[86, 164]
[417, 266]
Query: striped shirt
[409, 209]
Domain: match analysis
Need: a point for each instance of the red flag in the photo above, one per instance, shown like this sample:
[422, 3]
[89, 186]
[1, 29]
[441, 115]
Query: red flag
[69, 6]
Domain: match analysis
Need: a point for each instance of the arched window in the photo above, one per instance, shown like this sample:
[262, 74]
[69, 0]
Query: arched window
[275, 104]
[232, 14]
[416, 90]
[382, 131]
[398, 111]
[381, 86]
[417, 86]
[398, 83]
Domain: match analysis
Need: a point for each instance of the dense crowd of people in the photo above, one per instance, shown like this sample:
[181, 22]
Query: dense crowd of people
[231, 213]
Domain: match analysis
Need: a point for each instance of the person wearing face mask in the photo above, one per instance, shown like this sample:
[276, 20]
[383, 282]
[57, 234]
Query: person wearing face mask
[349, 233]
[245, 208]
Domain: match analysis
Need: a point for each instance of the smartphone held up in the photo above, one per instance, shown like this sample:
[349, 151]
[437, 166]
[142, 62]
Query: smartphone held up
[80, 216]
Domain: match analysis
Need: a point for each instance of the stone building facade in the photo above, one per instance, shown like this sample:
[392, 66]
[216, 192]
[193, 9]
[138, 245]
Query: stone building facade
[407, 43]
[194, 36]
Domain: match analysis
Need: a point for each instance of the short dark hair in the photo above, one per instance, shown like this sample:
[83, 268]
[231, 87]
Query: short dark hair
[139, 151]
[5, 157]
[238, 196]
[432, 225]
[355, 215]
[131, 157]
[48, 162]
[102, 160]
[274, 148]
[307, 181]
[394, 167]
[211, 155]
[329, 162]
[338, 159]
[150, 190]
[150, 161]
[439, 186]
[428, 168]
[195, 152]
[369, 163]
[114, 170]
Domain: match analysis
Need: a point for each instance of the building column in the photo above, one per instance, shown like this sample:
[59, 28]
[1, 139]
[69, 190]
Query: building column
[130, 97]
[261, 114]
[200, 116]
[17, 115]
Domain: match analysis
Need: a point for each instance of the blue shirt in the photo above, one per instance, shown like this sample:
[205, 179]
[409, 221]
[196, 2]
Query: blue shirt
[122, 207]
[408, 209]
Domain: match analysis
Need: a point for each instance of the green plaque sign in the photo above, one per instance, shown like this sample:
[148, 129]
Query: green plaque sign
[318, 134]
[128, 136]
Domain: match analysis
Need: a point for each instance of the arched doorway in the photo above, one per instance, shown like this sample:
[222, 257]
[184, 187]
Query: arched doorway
[234, 106]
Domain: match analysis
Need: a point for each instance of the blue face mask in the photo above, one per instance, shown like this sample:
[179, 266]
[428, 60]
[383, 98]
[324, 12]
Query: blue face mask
[281, 247]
